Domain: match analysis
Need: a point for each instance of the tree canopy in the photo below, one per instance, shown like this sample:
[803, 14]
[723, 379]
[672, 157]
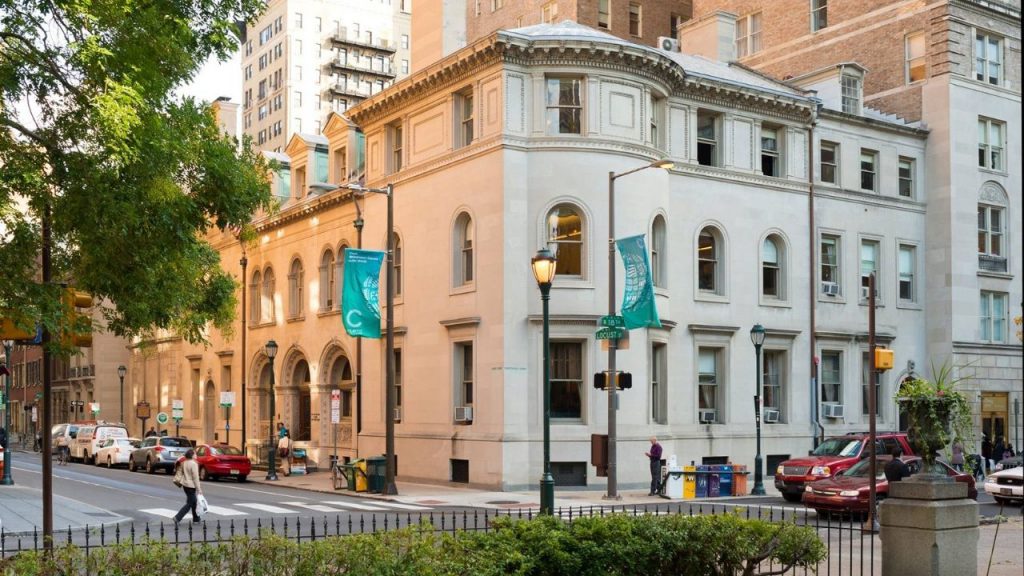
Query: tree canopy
[133, 175]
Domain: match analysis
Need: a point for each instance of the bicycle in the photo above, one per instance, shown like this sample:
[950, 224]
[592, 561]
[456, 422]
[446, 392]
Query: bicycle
[63, 452]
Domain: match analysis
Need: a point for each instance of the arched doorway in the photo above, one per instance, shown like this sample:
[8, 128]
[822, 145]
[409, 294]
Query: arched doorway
[302, 428]
[210, 414]
[263, 415]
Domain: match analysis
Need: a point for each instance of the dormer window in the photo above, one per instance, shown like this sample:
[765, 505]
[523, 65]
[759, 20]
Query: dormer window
[852, 92]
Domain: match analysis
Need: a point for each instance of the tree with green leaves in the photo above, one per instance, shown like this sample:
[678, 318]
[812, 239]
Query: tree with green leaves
[134, 176]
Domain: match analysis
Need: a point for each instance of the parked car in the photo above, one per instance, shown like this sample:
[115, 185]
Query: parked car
[831, 456]
[1011, 462]
[158, 452]
[89, 437]
[1006, 485]
[221, 461]
[115, 451]
[848, 491]
[66, 432]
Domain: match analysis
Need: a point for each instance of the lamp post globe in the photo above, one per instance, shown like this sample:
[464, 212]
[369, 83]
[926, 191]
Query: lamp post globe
[544, 265]
[757, 334]
[270, 349]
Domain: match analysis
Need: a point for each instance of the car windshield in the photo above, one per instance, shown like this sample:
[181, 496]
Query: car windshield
[862, 469]
[225, 450]
[125, 442]
[837, 447]
[175, 443]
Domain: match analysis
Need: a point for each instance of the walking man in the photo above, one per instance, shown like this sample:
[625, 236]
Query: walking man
[655, 457]
[188, 476]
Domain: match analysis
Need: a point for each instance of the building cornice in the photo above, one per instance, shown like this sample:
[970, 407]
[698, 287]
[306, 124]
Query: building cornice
[867, 122]
[1003, 9]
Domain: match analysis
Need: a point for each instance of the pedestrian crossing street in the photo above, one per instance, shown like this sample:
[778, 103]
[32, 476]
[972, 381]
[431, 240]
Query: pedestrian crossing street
[295, 507]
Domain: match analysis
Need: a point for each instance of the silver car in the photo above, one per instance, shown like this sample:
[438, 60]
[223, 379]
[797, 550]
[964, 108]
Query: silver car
[158, 452]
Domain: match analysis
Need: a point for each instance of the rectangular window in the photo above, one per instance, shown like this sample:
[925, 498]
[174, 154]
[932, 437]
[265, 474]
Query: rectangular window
[497, 5]
[297, 73]
[657, 105]
[298, 19]
[906, 177]
[988, 58]
[346, 404]
[634, 19]
[865, 383]
[298, 99]
[549, 12]
[990, 238]
[991, 136]
[707, 138]
[771, 379]
[869, 264]
[770, 161]
[464, 374]
[830, 265]
[396, 147]
[819, 14]
[907, 263]
[916, 58]
[398, 379]
[708, 380]
[851, 93]
[464, 116]
[993, 316]
[829, 162]
[566, 379]
[868, 169]
[298, 47]
[603, 14]
[831, 376]
[659, 383]
[564, 106]
[405, 42]
[405, 67]
[748, 35]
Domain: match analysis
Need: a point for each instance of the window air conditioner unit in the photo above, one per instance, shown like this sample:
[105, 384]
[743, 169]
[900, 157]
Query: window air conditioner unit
[398, 414]
[830, 289]
[864, 293]
[463, 413]
[771, 416]
[707, 416]
[833, 410]
[668, 44]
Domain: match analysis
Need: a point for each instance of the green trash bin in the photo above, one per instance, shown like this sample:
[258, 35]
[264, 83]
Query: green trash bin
[376, 471]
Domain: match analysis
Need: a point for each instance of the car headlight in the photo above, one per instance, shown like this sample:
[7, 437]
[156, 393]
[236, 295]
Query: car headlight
[780, 470]
[808, 488]
[821, 471]
[852, 493]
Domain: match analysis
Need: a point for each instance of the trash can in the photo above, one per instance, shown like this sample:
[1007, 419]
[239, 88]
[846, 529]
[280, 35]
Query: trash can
[689, 482]
[360, 475]
[714, 482]
[298, 463]
[739, 480]
[725, 480]
[702, 481]
[674, 483]
[376, 471]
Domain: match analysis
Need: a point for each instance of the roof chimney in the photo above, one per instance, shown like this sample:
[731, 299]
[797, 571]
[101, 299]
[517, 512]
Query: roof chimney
[712, 36]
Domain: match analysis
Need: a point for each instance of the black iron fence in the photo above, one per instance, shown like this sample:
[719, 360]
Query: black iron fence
[852, 549]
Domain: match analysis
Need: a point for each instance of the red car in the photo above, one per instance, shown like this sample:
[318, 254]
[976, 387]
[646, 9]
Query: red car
[221, 461]
[848, 491]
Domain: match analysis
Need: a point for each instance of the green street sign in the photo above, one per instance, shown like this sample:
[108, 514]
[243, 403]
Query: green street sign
[610, 333]
[613, 321]
[39, 395]
[161, 418]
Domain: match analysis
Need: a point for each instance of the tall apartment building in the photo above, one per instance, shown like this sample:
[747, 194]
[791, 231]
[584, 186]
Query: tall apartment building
[954, 67]
[304, 59]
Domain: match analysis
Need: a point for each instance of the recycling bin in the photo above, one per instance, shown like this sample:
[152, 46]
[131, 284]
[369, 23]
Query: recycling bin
[702, 481]
[360, 475]
[739, 480]
[674, 483]
[725, 480]
[689, 482]
[714, 482]
[376, 471]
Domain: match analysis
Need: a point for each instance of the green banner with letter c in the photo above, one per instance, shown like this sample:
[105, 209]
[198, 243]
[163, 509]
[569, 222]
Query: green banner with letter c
[360, 301]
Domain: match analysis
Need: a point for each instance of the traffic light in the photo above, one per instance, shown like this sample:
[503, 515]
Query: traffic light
[600, 381]
[77, 326]
[622, 380]
[9, 329]
[883, 359]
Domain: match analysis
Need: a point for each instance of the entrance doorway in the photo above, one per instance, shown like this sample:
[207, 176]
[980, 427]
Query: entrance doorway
[994, 415]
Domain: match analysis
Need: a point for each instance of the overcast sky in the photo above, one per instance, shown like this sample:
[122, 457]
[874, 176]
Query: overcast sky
[217, 79]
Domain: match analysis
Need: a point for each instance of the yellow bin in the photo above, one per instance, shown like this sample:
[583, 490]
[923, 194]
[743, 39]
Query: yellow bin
[360, 475]
[689, 482]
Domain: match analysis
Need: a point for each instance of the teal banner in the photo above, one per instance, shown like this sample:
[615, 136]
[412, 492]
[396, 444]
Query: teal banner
[360, 303]
[638, 307]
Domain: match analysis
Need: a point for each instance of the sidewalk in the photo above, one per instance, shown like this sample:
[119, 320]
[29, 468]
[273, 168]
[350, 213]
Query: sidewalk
[21, 512]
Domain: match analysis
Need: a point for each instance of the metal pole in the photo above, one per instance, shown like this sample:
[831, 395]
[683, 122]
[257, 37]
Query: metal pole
[122, 397]
[872, 519]
[547, 482]
[359, 340]
[613, 344]
[244, 363]
[272, 466]
[47, 423]
[758, 489]
[7, 480]
[389, 415]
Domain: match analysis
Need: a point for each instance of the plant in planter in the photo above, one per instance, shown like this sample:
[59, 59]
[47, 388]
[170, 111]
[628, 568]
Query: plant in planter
[937, 413]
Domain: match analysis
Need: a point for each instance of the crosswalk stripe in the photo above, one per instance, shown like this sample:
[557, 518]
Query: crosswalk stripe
[267, 508]
[353, 505]
[403, 506]
[315, 507]
[221, 511]
[165, 512]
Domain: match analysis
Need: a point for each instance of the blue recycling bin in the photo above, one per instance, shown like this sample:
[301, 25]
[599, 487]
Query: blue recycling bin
[725, 480]
[714, 482]
[702, 481]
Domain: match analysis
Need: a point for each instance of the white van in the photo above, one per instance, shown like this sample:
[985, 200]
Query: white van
[87, 443]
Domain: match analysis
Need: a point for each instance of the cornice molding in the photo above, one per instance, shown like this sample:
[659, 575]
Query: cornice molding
[460, 322]
[566, 319]
[713, 329]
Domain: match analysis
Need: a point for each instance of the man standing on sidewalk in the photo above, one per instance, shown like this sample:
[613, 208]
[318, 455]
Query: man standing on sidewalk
[655, 457]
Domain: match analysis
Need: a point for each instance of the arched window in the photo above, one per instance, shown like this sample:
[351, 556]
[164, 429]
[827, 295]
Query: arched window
[771, 268]
[327, 288]
[708, 254]
[254, 297]
[659, 259]
[339, 274]
[267, 296]
[566, 239]
[295, 283]
[992, 228]
[397, 259]
[462, 253]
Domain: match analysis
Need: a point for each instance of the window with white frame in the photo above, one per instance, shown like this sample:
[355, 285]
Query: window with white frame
[655, 117]
[395, 137]
[462, 259]
[295, 284]
[771, 164]
[564, 103]
[988, 57]
[829, 254]
[908, 273]
[991, 138]
[831, 376]
[709, 382]
[463, 363]
[865, 385]
[464, 118]
[868, 170]
[566, 239]
[771, 267]
[327, 288]
[708, 270]
[990, 235]
[906, 177]
[772, 366]
[659, 259]
[566, 372]
[851, 93]
[829, 162]
[993, 316]
[549, 12]
[819, 14]
[497, 5]
[748, 35]
[396, 258]
[707, 138]
[635, 19]
[604, 14]
[267, 297]
[659, 383]
[916, 57]
[870, 255]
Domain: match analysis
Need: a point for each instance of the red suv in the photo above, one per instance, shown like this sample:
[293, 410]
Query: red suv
[833, 455]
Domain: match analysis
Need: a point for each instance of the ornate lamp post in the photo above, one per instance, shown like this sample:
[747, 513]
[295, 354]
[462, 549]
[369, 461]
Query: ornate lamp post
[544, 264]
[6, 372]
[271, 350]
[757, 337]
[121, 371]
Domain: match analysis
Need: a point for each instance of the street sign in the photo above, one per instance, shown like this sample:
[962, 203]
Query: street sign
[610, 333]
[39, 396]
[335, 406]
[142, 410]
[161, 418]
[613, 321]
[94, 407]
[227, 399]
[177, 404]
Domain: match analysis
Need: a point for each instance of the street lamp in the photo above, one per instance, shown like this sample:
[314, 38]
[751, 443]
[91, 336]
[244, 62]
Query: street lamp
[121, 371]
[389, 353]
[613, 343]
[757, 337]
[6, 371]
[544, 264]
[271, 351]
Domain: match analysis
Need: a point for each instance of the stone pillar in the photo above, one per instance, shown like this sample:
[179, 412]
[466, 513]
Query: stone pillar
[929, 527]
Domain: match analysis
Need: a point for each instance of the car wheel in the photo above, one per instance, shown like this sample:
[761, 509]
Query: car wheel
[791, 497]
[243, 478]
[131, 465]
[149, 466]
